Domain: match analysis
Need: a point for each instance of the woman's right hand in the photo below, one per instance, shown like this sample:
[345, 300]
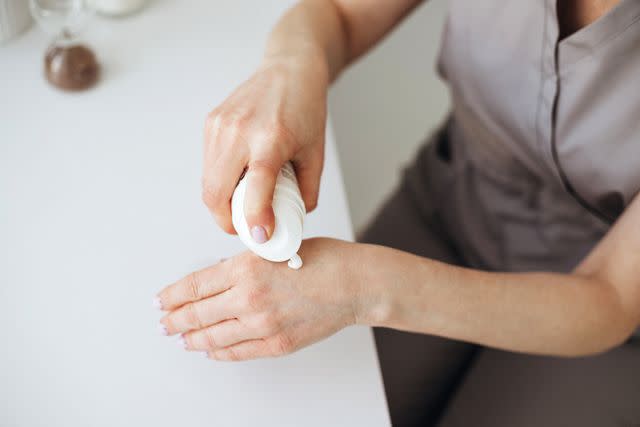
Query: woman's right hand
[277, 115]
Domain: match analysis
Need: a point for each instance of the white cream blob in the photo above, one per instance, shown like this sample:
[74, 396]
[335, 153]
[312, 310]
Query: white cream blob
[295, 262]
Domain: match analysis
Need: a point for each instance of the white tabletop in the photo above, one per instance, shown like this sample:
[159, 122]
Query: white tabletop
[100, 208]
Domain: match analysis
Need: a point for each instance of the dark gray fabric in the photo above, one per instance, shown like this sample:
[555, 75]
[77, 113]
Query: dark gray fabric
[506, 389]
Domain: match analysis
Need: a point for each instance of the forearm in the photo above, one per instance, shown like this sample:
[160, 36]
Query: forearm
[333, 33]
[310, 31]
[540, 313]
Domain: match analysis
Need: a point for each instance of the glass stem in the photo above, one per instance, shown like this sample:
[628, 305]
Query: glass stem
[64, 39]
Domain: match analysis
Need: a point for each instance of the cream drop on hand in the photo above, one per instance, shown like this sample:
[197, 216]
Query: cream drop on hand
[288, 208]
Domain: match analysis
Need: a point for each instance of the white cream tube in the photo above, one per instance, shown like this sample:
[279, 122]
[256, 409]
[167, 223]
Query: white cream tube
[289, 211]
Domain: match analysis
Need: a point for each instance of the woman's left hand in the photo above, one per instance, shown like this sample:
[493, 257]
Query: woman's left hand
[246, 307]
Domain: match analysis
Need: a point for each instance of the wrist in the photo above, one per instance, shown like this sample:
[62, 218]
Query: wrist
[373, 301]
[309, 64]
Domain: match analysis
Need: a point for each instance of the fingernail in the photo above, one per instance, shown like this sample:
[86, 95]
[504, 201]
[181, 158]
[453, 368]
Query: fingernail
[163, 330]
[181, 343]
[259, 234]
[157, 303]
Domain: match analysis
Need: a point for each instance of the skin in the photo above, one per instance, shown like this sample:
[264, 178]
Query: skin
[246, 307]
[575, 14]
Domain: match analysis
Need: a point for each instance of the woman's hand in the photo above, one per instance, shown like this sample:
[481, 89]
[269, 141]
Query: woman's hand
[277, 115]
[246, 307]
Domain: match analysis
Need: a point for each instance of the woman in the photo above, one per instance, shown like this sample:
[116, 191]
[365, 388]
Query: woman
[510, 250]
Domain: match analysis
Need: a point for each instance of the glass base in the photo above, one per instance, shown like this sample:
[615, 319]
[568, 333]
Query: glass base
[71, 66]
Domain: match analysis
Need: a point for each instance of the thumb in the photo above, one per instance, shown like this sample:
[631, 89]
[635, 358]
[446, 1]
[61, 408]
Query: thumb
[261, 179]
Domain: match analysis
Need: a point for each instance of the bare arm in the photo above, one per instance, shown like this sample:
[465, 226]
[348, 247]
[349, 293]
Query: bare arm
[279, 113]
[594, 308]
[246, 307]
[337, 31]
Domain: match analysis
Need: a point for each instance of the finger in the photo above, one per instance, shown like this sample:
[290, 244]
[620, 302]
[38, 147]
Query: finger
[200, 314]
[220, 335]
[261, 179]
[246, 350]
[276, 345]
[308, 172]
[224, 161]
[194, 287]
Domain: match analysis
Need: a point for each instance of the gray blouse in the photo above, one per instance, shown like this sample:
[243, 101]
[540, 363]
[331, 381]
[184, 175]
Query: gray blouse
[544, 135]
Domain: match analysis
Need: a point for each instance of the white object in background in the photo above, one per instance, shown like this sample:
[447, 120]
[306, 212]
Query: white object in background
[116, 7]
[14, 18]
[289, 212]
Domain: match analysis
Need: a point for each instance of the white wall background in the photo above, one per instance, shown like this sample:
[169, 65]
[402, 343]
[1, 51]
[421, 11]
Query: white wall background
[383, 107]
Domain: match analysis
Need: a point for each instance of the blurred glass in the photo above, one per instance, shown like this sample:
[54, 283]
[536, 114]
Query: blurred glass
[68, 64]
[62, 19]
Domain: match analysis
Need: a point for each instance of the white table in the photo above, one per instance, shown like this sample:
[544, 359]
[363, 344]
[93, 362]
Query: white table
[100, 208]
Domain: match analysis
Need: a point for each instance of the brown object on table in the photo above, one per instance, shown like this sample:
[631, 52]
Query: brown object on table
[71, 68]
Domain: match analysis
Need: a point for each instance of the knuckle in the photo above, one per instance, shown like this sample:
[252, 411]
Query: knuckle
[232, 121]
[210, 339]
[169, 324]
[192, 316]
[255, 299]
[227, 226]
[269, 323]
[212, 120]
[193, 287]
[232, 354]
[273, 142]
[212, 194]
[268, 165]
[277, 131]
[282, 344]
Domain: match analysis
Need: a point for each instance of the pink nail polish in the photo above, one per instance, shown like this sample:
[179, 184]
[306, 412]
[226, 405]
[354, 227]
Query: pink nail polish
[259, 234]
[163, 330]
[157, 303]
